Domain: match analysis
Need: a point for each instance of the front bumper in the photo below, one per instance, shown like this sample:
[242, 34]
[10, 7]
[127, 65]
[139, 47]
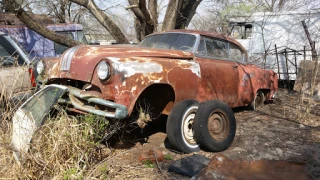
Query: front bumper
[93, 98]
[33, 112]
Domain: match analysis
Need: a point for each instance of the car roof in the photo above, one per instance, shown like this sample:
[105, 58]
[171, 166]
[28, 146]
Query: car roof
[204, 33]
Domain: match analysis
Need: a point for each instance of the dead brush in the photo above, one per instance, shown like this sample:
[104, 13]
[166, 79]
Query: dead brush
[63, 148]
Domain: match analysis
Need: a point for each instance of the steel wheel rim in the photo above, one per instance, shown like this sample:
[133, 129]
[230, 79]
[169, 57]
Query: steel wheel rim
[187, 126]
[218, 125]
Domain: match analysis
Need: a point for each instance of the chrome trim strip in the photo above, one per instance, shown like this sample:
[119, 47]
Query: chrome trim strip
[67, 58]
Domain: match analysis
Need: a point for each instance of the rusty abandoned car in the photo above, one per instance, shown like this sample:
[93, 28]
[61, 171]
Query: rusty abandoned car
[192, 76]
[16, 78]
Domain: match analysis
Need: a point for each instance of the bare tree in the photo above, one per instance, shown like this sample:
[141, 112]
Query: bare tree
[145, 21]
[103, 19]
[178, 15]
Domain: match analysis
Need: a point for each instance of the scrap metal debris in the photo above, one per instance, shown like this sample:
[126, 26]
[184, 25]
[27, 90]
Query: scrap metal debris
[221, 167]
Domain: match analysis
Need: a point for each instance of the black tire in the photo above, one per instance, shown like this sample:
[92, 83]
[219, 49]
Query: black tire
[214, 126]
[258, 101]
[180, 126]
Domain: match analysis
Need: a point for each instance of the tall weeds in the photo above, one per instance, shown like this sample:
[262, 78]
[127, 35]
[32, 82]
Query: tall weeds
[63, 148]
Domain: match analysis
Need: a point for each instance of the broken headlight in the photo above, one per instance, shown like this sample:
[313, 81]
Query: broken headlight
[40, 67]
[103, 70]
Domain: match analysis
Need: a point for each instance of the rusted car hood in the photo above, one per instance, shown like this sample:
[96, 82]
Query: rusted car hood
[79, 62]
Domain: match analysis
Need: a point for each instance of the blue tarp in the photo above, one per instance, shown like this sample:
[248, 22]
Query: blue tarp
[38, 46]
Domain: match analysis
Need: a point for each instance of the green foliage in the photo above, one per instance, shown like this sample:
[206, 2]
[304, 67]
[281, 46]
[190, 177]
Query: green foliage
[168, 157]
[104, 170]
[98, 123]
[148, 164]
[68, 174]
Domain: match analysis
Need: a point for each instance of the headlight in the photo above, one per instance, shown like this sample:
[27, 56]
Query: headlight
[40, 67]
[103, 70]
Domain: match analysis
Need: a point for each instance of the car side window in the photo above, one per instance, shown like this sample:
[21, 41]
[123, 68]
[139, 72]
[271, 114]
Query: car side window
[235, 53]
[213, 48]
[8, 55]
[202, 50]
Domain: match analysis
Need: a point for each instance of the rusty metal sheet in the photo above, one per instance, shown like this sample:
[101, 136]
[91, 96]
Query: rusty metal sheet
[220, 168]
[76, 59]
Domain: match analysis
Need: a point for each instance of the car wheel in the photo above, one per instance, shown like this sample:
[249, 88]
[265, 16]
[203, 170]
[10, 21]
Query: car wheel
[258, 101]
[214, 126]
[180, 126]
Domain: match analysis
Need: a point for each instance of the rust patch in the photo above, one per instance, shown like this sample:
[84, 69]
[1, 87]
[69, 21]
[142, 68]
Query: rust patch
[221, 167]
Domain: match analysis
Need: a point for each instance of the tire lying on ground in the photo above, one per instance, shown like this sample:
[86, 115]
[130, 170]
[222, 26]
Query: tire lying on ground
[214, 126]
[180, 126]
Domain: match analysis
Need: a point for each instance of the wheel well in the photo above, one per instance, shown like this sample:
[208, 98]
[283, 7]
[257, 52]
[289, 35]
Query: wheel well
[158, 98]
[265, 91]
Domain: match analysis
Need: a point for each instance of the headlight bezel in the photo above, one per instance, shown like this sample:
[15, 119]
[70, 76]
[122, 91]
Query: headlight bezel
[40, 67]
[103, 70]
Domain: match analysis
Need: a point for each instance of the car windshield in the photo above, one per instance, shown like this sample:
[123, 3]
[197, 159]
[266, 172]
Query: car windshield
[176, 41]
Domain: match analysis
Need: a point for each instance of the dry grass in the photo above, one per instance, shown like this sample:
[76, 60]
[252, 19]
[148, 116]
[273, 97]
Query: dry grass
[63, 148]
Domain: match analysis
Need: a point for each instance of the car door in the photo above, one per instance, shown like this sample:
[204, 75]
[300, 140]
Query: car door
[219, 75]
[14, 75]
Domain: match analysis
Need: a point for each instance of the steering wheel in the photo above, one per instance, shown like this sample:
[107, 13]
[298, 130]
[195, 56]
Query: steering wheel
[185, 48]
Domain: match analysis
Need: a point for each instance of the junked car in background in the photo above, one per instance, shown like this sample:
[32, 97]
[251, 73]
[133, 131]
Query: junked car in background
[192, 76]
[16, 78]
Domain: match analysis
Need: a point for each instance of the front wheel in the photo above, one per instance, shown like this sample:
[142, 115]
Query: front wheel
[214, 126]
[180, 126]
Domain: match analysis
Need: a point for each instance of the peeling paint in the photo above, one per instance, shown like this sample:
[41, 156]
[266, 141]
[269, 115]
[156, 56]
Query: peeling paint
[133, 67]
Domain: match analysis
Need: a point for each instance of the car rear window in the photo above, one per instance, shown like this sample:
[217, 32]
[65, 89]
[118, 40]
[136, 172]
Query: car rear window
[219, 49]
[213, 48]
[235, 53]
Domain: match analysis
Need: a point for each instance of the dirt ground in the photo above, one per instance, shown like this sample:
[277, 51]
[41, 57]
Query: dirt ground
[272, 132]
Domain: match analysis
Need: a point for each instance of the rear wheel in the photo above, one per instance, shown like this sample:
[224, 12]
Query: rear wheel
[214, 126]
[180, 126]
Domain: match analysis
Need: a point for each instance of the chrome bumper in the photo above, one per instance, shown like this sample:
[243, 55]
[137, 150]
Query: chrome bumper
[33, 112]
[75, 94]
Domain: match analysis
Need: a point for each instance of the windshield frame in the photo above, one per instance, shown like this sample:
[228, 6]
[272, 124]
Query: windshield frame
[194, 48]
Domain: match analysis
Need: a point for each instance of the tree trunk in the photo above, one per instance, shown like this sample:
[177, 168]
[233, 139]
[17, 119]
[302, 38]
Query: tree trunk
[13, 6]
[152, 6]
[144, 23]
[179, 14]
[170, 18]
[114, 30]
[187, 11]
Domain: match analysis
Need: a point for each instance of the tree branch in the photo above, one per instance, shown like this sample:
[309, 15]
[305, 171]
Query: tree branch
[143, 17]
[45, 32]
[152, 6]
[105, 21]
